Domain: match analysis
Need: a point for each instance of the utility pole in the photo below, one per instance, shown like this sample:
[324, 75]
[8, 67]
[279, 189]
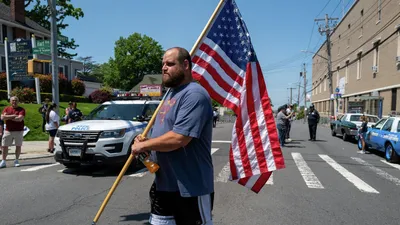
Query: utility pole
[298, 96]
[54, 52]
[327, 30]
[305, 90]
[291, 95]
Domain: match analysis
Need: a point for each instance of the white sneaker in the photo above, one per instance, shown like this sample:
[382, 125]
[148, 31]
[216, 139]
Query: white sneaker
[16, 163]
[3, 164]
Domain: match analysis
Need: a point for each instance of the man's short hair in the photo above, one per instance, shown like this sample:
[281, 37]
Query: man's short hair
[183, 55]
[14, 98]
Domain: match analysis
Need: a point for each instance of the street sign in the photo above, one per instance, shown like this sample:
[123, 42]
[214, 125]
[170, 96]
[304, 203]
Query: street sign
[42, 47]
[62, 38]
[19, 52]
[337, 90]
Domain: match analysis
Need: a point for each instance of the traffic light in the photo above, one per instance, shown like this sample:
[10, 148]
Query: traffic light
[35, 66]
[301, 74]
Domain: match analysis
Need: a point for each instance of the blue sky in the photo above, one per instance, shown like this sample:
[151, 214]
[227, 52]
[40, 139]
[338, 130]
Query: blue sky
[279, 31]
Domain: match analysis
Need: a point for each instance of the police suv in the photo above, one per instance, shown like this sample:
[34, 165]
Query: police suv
[104, 136]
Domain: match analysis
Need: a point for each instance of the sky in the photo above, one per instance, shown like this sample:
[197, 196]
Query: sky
[279, 31]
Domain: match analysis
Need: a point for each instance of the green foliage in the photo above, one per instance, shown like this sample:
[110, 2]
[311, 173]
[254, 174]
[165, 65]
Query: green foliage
[134, 57]
[300, 115]
[78, 87]
[40, 12]
[3, 81]
[90, 67]
[47, 86]
[43, 95]
[25, 95]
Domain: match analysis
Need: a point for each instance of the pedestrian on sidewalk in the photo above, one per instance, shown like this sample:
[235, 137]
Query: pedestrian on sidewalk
[13, 117]
[52, 124]
[363, 133]
[282, 121]
[183, 189]
[313, 120]
[43, 110]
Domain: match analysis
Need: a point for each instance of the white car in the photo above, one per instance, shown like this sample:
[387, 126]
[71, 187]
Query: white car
[104, 136]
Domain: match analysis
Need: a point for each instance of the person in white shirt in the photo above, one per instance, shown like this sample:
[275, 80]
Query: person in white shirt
[289, 125]
[52, 124]
[215, 117]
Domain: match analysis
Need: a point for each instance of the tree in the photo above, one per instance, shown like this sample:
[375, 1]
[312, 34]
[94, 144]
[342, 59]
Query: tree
[41, 14]
[89, 66]
[134, 57]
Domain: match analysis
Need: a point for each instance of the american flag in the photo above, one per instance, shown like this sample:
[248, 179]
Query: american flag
[225, 63]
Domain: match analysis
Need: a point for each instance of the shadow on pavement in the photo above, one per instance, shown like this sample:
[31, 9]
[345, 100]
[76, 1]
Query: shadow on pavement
[100, 171]
[137, 217]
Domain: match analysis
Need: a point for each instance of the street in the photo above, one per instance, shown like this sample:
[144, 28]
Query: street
[324, 182]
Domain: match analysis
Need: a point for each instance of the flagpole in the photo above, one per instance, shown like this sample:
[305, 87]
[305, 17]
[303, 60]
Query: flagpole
[151, 122]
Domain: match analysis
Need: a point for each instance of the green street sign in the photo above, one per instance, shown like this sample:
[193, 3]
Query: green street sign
[62, 38]
[42, 47]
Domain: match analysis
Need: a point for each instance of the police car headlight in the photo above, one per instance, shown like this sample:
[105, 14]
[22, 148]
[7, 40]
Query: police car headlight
[113, 134]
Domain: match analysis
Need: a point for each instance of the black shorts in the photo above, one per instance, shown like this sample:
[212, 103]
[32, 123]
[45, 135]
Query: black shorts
[52, 133]
[171, 208]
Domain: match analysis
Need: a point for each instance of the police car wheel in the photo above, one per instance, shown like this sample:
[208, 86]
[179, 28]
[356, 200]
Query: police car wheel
[390, 153]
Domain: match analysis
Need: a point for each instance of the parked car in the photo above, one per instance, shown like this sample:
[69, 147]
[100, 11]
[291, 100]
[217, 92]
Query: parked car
[384, 136]
[348, 124]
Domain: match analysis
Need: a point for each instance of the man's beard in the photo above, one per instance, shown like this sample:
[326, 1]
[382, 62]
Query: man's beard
[175, 80]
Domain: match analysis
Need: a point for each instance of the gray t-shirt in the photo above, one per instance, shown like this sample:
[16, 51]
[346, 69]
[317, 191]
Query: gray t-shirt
[281, 119]
[187, 110]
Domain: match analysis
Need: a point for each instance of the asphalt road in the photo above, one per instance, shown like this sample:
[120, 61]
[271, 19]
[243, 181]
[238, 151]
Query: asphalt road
[324, 182]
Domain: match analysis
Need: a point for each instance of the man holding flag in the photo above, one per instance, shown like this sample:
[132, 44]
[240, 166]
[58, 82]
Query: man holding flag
[225, 64]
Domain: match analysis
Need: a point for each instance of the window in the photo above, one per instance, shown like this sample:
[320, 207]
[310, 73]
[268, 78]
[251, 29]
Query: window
[388, 125]
[337, 76]
[3, 64]
[355, 118]
[359, 65]
[380, 123]
[338, 50]
[347, 72]
[66, 72]
[61, 70]
[398, 127]
[394, 99]
[4, 32]
[320, 87]
[324, 84]
[46, 68]
[379, 10]
[376, 53]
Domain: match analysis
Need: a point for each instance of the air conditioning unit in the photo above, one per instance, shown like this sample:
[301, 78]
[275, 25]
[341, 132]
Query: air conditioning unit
[397, 58]
[375, 69]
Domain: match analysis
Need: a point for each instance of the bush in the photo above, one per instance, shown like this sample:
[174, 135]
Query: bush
[66, 98]
[3, 81]
[100, 96]
[25, 95]
[63, 84]
[3, 95]
[47, 86]
[78, 87]
[300, 115]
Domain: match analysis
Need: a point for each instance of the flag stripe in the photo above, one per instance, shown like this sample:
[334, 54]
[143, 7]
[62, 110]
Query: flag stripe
[261, 181]
[242, 146]
[235, 72]
[271, 126]
[234, 173]
[254, 129]
[214, 94]
[216, 76]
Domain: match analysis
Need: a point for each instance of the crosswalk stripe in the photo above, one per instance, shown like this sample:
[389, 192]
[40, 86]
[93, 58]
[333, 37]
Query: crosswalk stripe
[378, 171]
[143, 172]
[305, 171]
[35, 168]
[271, 179]
[224, 174]
[397, 166]
[360, 184]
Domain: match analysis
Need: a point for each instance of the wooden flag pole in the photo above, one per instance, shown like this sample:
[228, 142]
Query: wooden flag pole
[152, 167]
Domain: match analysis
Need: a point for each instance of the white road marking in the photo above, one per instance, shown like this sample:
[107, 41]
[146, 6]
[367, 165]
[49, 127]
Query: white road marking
[62, 170]
[378, 171]
[305, 171]
[397, 166]
[144, 171]
[35, 168]
[219, 141]
[224, 174]
[271, 179]
[360, 184]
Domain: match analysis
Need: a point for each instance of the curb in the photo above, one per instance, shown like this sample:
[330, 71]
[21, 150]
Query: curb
[29, 156]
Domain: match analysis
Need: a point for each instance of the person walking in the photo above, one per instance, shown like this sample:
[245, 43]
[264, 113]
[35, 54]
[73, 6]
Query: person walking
[13, 117]
[183, 190]
[362, 133]
[52, 124]
[289, 111]
[313, 120]
[215, 117]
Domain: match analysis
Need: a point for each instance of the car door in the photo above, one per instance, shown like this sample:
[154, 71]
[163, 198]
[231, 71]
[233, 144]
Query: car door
[338, 128]
[373, 134]
[384, 133]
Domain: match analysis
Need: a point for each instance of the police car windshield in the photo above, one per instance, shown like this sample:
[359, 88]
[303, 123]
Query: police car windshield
[117, 112]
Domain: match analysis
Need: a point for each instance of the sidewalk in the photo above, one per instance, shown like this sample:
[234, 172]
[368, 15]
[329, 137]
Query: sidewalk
[31, 150]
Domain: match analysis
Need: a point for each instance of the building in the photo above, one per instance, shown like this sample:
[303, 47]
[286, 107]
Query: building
[15, 25]
[365, 55]
[153, 82]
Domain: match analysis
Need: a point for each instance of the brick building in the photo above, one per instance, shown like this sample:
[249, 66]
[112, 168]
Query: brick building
[365, 55]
